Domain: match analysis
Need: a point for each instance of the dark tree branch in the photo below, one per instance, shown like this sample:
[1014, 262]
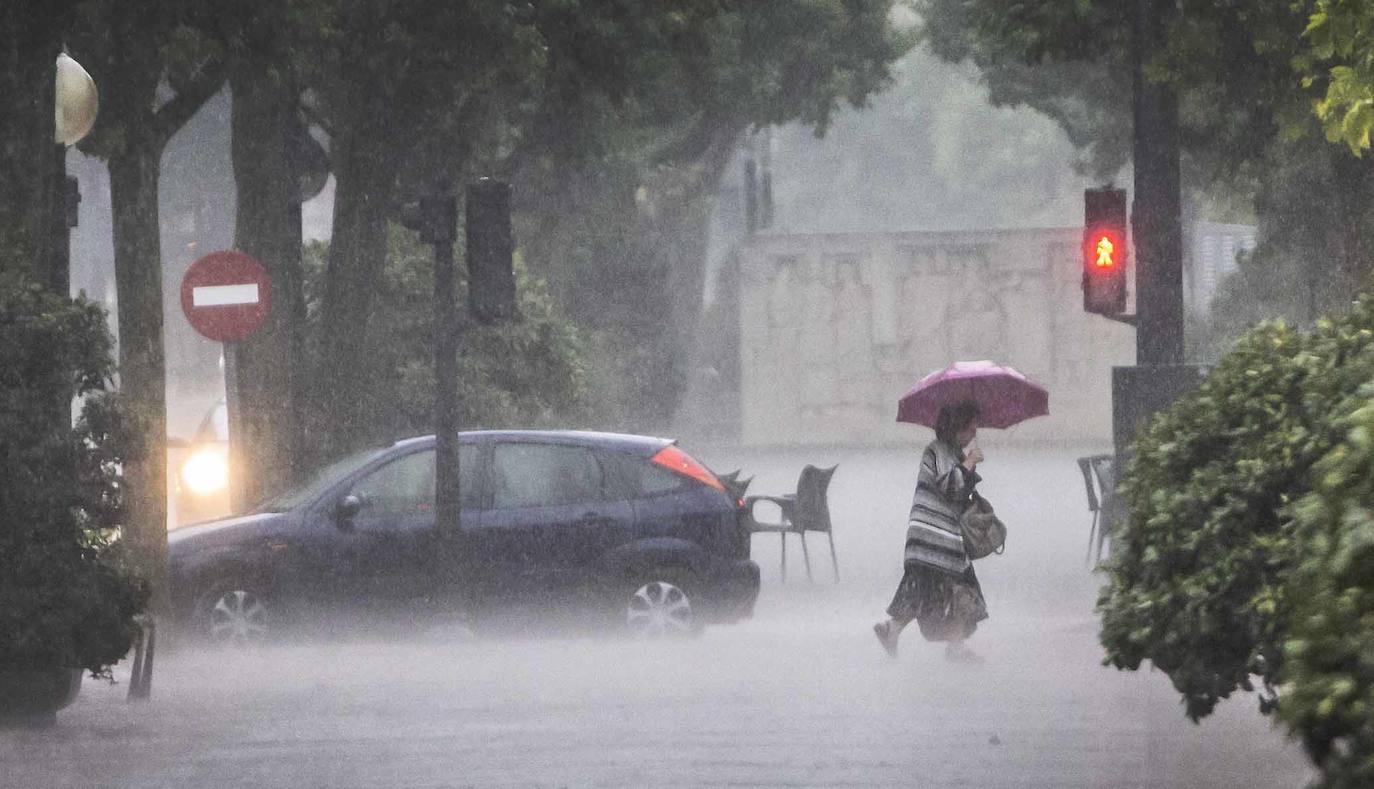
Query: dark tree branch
[177, 112]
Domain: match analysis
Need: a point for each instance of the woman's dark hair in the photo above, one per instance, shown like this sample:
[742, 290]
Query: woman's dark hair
[954, 418]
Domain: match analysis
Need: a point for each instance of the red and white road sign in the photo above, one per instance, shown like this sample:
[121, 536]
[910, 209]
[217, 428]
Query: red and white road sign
[226, 295]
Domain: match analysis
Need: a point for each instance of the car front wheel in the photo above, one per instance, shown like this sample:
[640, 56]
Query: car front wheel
[234, 615]
[660, 606]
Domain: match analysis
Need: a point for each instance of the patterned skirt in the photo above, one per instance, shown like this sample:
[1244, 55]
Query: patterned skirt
[946, 606]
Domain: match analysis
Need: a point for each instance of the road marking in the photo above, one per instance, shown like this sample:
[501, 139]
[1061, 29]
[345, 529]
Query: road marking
[224, 295]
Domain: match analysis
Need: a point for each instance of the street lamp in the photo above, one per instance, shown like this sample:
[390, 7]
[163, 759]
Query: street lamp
[77, 102]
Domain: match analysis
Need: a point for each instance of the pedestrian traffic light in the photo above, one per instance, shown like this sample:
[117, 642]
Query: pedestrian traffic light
[1105, 251]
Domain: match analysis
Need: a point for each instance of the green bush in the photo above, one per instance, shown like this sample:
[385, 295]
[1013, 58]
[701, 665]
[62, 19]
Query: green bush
[67, 598]
[1329, 656]
[1198, 584]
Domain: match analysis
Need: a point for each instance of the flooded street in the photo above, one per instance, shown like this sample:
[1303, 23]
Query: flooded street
[801, 695]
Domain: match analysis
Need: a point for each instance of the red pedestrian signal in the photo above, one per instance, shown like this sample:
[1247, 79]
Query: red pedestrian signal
[1104, 251]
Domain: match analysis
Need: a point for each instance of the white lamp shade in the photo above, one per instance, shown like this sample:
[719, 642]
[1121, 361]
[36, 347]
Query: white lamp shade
[77, 101]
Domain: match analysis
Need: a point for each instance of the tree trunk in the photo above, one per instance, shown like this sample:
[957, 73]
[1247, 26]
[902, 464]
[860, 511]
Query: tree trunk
[138, 277]
[364, 171]
[269, 229]
[676, 240]
[29, 44]
[687, 258]
[1353, 190]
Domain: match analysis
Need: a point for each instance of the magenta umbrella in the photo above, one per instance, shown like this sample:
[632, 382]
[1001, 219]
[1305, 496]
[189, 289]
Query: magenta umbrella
[1004, 396]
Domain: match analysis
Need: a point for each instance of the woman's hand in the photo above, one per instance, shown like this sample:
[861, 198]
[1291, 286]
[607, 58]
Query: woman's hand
[973, 458]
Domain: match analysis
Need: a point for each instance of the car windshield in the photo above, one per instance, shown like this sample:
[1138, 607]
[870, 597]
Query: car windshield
[319, 482]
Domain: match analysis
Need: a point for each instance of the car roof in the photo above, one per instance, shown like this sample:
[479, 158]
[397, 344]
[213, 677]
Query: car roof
[617, 442]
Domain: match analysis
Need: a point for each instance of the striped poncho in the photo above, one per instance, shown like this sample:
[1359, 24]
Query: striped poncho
[943, 487]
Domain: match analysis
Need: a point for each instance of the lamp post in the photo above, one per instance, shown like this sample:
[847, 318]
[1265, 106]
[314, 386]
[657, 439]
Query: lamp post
[75, 106]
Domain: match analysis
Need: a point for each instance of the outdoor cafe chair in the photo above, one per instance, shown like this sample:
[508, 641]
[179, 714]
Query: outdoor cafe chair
[1099, 480]
[808, 509]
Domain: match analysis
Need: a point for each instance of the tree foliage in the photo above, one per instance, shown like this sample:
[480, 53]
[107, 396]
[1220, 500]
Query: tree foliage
[1067, 60]
[637, 101]
[1341, 58]
[521, 372]
[1247, 131]
[66, 597]
[1199, 581]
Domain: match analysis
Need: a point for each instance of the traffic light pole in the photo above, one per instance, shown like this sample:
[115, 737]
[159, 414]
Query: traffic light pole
[435, 216]
[1156, 215]
[446, 493]
[1159, 375]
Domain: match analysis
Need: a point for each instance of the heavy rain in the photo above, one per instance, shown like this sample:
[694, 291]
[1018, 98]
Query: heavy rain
[592, 394]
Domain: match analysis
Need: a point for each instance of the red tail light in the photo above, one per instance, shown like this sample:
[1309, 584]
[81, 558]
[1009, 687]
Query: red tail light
[679, 462]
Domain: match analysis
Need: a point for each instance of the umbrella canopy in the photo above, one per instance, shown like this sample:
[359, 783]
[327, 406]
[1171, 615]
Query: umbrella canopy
[1004, 396]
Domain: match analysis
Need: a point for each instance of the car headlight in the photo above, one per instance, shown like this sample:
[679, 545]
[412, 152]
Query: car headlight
[206, 471]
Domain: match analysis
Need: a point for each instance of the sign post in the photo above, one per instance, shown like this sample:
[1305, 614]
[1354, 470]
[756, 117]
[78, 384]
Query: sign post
[226, 296]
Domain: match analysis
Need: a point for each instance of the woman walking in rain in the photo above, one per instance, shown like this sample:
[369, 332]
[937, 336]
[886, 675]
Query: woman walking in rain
[939, 589]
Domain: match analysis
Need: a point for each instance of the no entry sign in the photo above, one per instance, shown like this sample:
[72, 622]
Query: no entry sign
[226, 295]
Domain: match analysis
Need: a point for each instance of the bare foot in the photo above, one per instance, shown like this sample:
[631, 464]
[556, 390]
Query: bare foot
[883, 630]
[956, 652]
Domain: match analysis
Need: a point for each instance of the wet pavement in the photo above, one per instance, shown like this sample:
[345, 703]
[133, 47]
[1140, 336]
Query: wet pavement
[801, 695]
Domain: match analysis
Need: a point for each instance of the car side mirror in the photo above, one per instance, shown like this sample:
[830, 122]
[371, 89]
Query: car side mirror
[344, 511]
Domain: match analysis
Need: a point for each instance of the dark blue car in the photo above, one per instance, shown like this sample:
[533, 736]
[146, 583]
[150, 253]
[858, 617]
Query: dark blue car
[625, 529]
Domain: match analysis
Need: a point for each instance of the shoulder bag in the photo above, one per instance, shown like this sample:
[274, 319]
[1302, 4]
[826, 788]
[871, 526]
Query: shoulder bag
[984, 532]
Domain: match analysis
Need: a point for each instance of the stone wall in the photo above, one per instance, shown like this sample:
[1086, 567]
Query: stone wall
[835, 328]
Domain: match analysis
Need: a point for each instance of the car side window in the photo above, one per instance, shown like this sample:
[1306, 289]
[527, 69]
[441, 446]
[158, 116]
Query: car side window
[402, 487]
[655, 479]
[544, 475]
[638, 477]
[469, 477]
[406, 485]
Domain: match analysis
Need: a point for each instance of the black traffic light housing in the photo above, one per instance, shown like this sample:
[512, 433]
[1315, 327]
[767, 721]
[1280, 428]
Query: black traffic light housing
[432, 216]
[490, 246]
[1106, 251]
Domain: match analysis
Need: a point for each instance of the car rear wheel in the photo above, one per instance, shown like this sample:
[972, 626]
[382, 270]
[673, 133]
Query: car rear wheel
[234, 614]
[660, 605]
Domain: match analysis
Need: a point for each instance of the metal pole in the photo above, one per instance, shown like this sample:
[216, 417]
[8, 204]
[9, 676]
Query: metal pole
[141, 678]
[751, 195]
[64, 206]
[446, 495]
[766, 180]
[1156, 213]
[231, 402]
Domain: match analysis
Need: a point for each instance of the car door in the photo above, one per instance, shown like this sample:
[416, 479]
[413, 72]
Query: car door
[549, 510]
[389, 553]
[383, 547]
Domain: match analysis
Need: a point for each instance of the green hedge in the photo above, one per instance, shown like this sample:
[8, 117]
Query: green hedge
[1198, 583]
[1328, 698]
[67, 598]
